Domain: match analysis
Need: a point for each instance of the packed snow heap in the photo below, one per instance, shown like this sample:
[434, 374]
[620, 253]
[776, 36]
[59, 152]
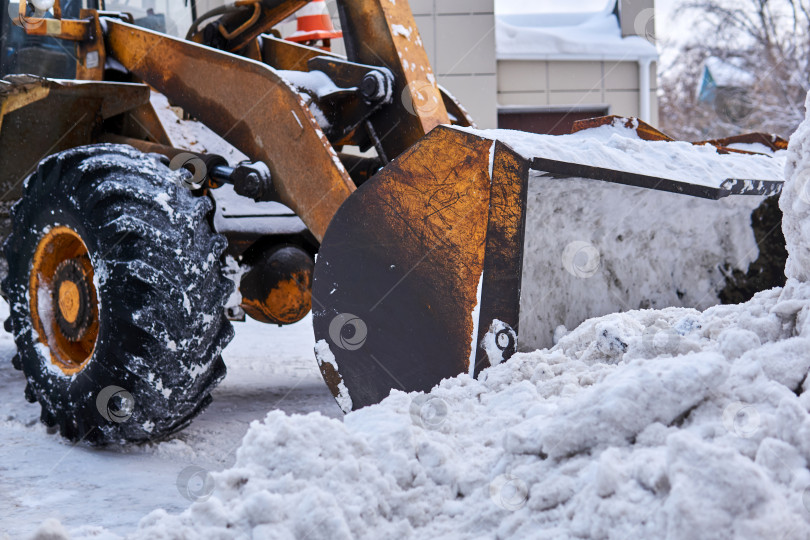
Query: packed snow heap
[648, 424]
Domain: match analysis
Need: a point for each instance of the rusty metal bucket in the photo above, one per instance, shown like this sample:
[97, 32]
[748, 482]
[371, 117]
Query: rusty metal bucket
[421, 274]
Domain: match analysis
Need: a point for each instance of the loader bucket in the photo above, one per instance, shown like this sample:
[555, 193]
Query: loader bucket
[419, 267]
[431, 267]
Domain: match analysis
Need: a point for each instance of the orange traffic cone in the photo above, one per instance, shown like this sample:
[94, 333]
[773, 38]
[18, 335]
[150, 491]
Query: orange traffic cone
[314, 24]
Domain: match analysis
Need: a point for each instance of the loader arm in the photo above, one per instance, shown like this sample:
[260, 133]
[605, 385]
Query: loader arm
[257, 111]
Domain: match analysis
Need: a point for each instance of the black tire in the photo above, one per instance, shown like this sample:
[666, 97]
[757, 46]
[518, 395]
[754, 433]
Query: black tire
[161, 295]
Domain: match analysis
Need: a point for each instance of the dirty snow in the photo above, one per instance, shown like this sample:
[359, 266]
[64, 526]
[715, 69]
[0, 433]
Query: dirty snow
[670, 423]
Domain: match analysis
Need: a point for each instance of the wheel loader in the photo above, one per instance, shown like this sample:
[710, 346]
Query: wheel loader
[368, 198]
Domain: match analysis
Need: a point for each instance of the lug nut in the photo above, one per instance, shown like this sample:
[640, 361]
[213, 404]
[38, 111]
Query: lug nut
[372, 88]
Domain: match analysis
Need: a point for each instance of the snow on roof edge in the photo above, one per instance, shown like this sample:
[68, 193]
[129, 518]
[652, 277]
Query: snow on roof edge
[597, 37]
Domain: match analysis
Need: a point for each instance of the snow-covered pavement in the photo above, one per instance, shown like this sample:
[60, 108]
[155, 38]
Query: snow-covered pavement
[42, 476]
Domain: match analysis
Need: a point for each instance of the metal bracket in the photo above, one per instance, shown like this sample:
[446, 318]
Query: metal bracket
[363, 90]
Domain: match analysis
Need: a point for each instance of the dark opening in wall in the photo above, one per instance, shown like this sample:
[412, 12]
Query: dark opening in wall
[546, 121]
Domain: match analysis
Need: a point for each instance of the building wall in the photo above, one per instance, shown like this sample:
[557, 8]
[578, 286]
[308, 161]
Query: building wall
[459, 36]
[574, 84]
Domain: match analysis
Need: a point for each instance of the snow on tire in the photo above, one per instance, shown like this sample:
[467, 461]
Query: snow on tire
[104, 231]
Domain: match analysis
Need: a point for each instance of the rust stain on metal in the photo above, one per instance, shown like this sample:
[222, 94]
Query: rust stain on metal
[648, 133]
[331, 377]
[418, 231]
[644, 130]
[773, 142]
[287, 302]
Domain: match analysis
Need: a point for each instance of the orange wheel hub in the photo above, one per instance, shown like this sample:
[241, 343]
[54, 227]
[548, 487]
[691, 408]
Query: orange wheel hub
[63, 299]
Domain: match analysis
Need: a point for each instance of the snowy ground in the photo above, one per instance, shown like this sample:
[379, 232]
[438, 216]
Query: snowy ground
[42, 476]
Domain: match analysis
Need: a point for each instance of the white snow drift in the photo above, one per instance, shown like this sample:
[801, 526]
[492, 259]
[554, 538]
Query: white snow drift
[649, 424]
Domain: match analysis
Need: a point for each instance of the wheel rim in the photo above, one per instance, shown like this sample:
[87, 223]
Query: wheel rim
[63, 299]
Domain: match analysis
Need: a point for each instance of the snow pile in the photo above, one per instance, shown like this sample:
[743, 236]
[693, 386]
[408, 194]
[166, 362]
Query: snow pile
[537, 36]
[647, 424]
[635, 425]
[795, 204]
